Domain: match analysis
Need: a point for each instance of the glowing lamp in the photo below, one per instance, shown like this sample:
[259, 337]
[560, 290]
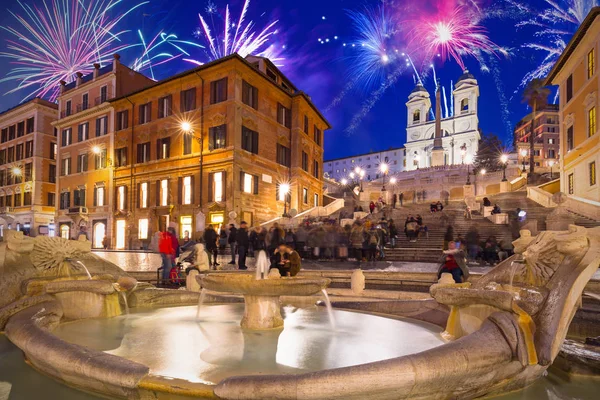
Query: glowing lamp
[357, 170]
[186, 127]
[284, 188]
[383, 167]
[482, 172]
[344, 181]
[393, 181]
[469, 159]
[16, 171]
[96, 150]
[504, 158]
[523, 152]
[352, 175]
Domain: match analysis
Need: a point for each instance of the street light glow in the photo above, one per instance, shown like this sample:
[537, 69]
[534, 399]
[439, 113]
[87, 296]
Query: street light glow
[16, 171]
[483, 171]
[344, 181]
[383, 167]
[393, 180]
[523, 152]
[504, 158]
[469, 159]
[96, 149]
[551, 163]
[357, 170]
[362, 173]
[352, 175]
[186, 126]
[284, 188]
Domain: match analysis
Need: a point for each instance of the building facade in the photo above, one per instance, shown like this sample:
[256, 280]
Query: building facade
[28, 168]
[546, 139]
[459, 131]
[228, 141]
[576, 74]
[85, 130]
[341, 168]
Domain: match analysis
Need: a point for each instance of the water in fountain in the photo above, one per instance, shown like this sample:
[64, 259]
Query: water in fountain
[329, 308]
[592, 295]
[85, 268]
[200, 302]
[513, 270]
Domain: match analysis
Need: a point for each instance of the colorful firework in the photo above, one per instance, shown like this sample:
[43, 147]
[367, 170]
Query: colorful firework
[237, 37]
[453, 35]
[60, 38]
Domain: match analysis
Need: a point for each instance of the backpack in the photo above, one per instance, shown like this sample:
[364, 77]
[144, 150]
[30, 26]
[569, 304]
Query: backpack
[373, 239]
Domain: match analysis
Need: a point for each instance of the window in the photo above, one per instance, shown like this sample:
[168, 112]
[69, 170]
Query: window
[569, 88]
[143, 195]
[249, 183]
[4, 136]
[591, 121]
[216, 185]
[66, 137]
[11, 154]
[85, 101]
[82, 162]
[27, 199]
[187, 144]
[121, 229]
[591, 63]
[53, 150]
[316, 169]
[571, 184]
[83, 132]
[29, 148]
[51, 199]
[551, 153]
[305, 195]
[217, 137]
[570, 143]
[185, 226]
[28, 172]
[305, 161]
[249, 140]
[218, 91]
[79, 197]
[65, 200]
[592, 168]
[316, 200]
[21, 129]
[164, 193]
[121, 157]
[11, 132]
[249, 95]
[272, 75]
[306, 124]
[187, 190]
[143, 152]
[2, 156]
[103, 94]
[17, 201]
[20, 154]
[30, 125]
[551, 141]
[317, 135]
[68, 108]
[417, 116]
[2, 177]
[100, 160]
[144, 113]
[8, 201]
[188, 100]
[121, 197]
[163, 148]
[165, 105]
[65, 167]
[52, 173]
[284, 116]
[122, 120]
[101, 126]
[283, 155]
[99, 196]
[143, 228]
[464, 105]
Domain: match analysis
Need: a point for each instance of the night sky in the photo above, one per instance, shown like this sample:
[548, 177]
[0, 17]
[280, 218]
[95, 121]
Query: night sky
[323, 69]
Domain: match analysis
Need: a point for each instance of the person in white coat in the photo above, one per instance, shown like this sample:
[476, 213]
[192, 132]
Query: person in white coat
[201, 263]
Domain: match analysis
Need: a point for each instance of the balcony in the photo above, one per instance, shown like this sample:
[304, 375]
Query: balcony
[102, 99]
[6, 210]
[77, 211]
[82, 107]
[66, 113]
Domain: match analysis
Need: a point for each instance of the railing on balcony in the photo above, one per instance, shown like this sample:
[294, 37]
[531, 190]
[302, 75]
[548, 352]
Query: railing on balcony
[77, 210]
[6, 210]
[82, 107]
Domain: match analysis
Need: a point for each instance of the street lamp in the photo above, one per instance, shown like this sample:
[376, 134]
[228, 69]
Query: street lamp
[344, 181]
[96, 150]
[523, 154]
[188, 129]
[384, 170]
[468, 160]
[551, 164]
[16, 171]
[463, 152]
[504, 160]
[393, 180]
[483, 171]
[284, 190]
[417, 158]
[361, 175]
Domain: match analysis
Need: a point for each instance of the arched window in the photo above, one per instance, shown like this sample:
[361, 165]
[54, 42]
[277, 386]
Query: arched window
[464, 105]
[65, 231]
[417, 116]
[99, 234]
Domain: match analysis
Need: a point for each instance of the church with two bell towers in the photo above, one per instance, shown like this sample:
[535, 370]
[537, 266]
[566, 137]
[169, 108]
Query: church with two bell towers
[434, 139]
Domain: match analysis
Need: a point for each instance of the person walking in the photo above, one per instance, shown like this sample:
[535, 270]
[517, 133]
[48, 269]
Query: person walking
[393, 231]
[210, 240]
[372, 207]
[394, 200]
[241, 239]
[231, 241]
[401, 198]
[165, 249]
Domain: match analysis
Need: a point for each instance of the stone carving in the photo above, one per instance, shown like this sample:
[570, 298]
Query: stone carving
[218, 119]
[49, 253]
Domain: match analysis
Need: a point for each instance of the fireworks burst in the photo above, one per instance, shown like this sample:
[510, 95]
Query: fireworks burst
[453, 35]
[237, 37]
[58, 39]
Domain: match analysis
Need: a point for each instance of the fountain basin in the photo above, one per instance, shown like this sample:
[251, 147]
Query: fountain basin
[261, 297]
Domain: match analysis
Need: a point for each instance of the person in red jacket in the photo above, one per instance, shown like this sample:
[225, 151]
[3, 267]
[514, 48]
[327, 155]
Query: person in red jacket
[165, 248]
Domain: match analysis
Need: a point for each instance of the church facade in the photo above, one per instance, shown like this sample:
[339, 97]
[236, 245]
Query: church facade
[457, 139]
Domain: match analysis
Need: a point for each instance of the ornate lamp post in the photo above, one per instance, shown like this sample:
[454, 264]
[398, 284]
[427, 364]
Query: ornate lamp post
[463, 152]
[468, 160]
[284, 189]
[417, 159]
[384, 170]
[523, 154]
[551, 164]
[504, 161]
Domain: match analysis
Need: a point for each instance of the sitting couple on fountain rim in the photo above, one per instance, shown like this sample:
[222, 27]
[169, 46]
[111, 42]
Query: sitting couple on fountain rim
[454, 262]
[286, 260]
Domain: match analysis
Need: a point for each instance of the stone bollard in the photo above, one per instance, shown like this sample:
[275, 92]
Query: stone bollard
[357, 282]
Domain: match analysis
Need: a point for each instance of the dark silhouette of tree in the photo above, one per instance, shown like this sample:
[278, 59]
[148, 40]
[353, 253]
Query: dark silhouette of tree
[489, 153]
[536, 96]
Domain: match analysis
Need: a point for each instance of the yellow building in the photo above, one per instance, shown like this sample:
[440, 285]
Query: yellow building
[576, 74]
[228, 141]
[28, 168]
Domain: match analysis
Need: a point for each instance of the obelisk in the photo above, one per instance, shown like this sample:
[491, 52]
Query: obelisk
[437, 154]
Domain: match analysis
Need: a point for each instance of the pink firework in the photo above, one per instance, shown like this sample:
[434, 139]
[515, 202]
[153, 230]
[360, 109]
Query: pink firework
[454, 34]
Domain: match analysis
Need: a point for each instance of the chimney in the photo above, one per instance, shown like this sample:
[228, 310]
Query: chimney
[62, 86]
[78, 79]
[116, 58]
[96, 70]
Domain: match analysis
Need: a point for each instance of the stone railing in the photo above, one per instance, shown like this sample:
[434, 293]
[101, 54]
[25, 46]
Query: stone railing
[315, 212]
[540, 196]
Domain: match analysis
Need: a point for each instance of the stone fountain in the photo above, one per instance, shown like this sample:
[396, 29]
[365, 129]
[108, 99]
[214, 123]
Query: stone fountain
[261, 296]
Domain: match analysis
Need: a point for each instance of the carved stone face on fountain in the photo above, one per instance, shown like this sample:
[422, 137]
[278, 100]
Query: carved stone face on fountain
[261, 297]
